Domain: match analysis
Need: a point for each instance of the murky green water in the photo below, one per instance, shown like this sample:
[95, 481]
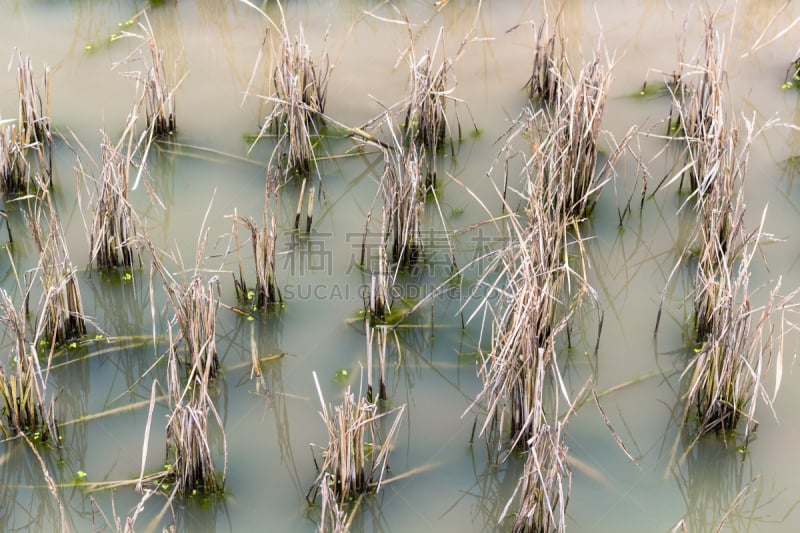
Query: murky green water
[204, 177]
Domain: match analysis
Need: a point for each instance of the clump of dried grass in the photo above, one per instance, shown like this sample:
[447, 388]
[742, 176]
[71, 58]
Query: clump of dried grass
[189, 455]
[28, 407]
[14, 168]
[543, 489]
[195, 305]
[33, 122]
[533, 290]
[300, 87]
[549, 66]
[29, 134]
[735, 341]
[564, 141]
[159, 91]
[697, 105]
[60, 317]
[425, 124]
[113, 238]
[264, 241]
[356, 457]
[403, 193]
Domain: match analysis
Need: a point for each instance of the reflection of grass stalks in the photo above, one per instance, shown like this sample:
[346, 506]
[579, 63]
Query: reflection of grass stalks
[263, 240]
[382, 334]
[544, 485]
[22, 385]
[357, 456]
[298, 102]
[61, 315]
[113, 239]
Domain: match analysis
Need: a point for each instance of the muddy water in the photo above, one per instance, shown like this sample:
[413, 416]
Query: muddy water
[209, 172]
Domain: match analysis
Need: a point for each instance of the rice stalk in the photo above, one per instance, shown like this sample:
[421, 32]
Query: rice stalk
[159, 93]
[33, 121]
[403, 192]
[356, 457]
[300, 87]
[27, 406]
[721, 236]
[727, 371]
[697, 102]
[60, 317]
[189, 455]
[425, 125]
[113, 239]
[543, 489]
[531, 290]
[564, 141]
[735, 342]
[195, 305]
[549, 66]
[14, 169]
[333, 518]
[264, 242]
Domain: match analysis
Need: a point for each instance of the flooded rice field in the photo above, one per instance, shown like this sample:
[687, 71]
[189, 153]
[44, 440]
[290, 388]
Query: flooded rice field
[234, 228]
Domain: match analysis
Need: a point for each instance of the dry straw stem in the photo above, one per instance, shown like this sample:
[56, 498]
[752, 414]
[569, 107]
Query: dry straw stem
[28, 407]
[300, 86]
[114, 240]
[195, 305]
[159, 92]
[563, 141]
[192, 464]
[431, 85]
[33, 121]
[727, 373]
[403, 192]
[264, 244]
[60, 317]
[14, 167]
[698, 100]
[533, 286]
[544, 487]
[332, 517]
[356, 458]
[549, 64]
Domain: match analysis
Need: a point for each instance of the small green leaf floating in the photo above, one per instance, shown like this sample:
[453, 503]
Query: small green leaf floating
[341, 376]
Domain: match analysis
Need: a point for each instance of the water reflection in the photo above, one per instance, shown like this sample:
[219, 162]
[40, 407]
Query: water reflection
[719, 487]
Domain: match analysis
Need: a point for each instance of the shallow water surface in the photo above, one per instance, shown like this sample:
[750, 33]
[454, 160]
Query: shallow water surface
[207, 171]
